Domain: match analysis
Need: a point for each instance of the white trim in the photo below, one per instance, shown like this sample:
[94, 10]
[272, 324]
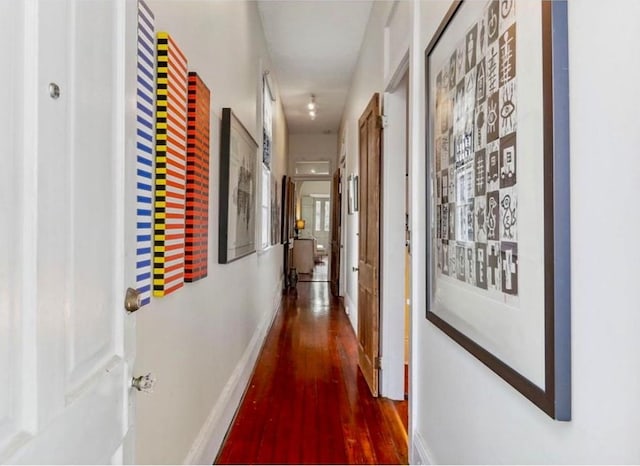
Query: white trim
[352, 312]
[419, 453]
[209, 440]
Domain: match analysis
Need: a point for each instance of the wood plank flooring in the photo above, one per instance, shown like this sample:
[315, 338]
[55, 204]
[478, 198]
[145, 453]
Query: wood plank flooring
[307, 402]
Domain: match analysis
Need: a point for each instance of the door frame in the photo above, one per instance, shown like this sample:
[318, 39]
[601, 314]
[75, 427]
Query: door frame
[393, 250]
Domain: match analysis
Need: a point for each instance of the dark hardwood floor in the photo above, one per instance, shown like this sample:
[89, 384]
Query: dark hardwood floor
[307, 402]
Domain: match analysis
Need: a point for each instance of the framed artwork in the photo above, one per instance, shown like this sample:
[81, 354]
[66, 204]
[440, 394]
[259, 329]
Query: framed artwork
[238, 175]
[197, 195]
[352, 194]
[267, 121]
[275, 211]
[170, 167]
[145, 132]
[497, 132]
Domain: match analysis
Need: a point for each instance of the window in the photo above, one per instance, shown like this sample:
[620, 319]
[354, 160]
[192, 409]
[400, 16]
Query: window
[322, 215]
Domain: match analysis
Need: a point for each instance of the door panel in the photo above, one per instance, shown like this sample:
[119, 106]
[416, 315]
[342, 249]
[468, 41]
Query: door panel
[66, 399]
[369, 244]
[91, 326]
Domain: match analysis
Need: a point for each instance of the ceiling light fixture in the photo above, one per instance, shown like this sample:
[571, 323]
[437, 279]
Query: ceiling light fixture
[312, 103]
[312, 114]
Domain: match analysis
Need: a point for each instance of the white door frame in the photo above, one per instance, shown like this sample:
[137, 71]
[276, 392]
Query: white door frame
[392, 283]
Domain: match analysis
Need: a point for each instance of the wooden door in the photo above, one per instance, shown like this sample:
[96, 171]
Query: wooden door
[64, 395]
[369, 145]
[336, 233]
[289, 221]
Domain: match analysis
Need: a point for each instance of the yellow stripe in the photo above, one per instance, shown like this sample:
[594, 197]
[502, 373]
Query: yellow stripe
[158, 294]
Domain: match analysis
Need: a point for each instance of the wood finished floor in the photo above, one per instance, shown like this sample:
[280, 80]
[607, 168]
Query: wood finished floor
[307, 402]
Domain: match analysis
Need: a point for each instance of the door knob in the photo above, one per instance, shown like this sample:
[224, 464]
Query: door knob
[355, 269]
[132, 300]
[144, 383]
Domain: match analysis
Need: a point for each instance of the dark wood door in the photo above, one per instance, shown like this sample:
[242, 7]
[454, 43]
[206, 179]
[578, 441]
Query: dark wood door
[369, 145]
[288, 225]
[336, 233]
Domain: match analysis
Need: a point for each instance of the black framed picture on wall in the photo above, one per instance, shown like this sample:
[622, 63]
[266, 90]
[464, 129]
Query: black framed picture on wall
[238, 175]
[497, 151]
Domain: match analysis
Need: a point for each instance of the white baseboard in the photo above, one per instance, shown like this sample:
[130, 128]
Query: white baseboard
[352, 312]
[209, 440]
[419, 452]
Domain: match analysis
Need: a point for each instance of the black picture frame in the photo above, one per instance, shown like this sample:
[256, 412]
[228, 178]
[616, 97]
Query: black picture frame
[554, 395]
[238, 181]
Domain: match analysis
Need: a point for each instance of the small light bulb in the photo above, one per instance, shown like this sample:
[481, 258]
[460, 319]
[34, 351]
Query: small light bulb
[312, 114]
[311, 105]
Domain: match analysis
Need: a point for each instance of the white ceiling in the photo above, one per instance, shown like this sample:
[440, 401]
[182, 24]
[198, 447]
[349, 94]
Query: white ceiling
[314, 46]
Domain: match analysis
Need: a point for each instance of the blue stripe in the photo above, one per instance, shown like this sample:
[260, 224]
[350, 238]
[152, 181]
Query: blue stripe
[146, 300]
[140, 264]
[143, 276]
[144, 199]
[146, 9]
[145, 161]
[144, 110]
[141, 251]
[145, 32]
[144, 148]
[143, 174]
[145, 84]
[146, 20]
[144, 225]
[147, 123]
[144, 135]
[144, 187]
[145, 72]
[147, 23]
[145, 97]
[145, 58]
[140, 238]
[145, 288]
[143, 212]
[146, 45]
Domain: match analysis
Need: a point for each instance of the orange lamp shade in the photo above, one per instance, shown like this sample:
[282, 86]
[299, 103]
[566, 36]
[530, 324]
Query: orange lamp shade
[300, 224]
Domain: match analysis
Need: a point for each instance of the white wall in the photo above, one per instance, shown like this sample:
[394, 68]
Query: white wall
[463, 412]
[201, 342]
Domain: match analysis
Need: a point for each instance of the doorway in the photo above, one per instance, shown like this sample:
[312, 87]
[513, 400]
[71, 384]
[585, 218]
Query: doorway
[312, 246]
[395, 258]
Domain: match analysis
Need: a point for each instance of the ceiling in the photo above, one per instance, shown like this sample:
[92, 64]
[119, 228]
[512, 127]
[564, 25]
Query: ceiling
[314, 46]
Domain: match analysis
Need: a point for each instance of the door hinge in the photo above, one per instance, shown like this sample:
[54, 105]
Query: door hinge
[377, 363]
[383, 121]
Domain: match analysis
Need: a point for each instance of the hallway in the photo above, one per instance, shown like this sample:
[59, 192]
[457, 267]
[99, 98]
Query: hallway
[307, 402]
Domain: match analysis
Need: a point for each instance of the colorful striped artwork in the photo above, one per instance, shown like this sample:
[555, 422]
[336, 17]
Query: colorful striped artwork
[144, 149]
[197, 212]
[171, 148]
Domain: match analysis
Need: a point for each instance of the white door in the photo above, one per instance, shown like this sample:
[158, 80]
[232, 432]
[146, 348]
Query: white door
[64, 335]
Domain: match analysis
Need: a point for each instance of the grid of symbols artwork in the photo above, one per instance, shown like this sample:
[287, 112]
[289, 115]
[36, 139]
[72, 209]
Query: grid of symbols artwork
[475, 158]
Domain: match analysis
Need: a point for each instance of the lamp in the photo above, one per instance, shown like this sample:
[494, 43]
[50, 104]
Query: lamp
[299, 226]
